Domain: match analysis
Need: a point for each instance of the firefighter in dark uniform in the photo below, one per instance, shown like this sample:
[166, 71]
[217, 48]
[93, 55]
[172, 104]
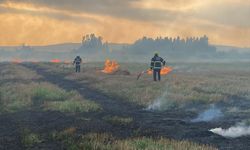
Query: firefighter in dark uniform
[156, 65]
[77, 62]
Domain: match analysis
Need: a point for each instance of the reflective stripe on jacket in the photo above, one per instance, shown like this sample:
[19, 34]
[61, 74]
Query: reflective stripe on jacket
[157, 62]
[77, 61]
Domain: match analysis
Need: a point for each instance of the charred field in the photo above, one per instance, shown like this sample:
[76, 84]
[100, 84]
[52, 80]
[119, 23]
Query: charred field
[196, 106]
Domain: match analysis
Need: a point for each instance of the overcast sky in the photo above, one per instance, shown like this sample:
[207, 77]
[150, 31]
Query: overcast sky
[42, 22]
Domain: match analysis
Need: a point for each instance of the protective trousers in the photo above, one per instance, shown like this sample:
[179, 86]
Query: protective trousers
[78, 68]
[157, 73]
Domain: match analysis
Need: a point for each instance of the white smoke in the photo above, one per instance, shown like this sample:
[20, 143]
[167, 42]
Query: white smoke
[233, 132]
[161, 103]
[155, 106]
[210, 114]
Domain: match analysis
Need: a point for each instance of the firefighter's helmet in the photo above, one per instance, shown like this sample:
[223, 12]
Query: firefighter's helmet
[156, 53]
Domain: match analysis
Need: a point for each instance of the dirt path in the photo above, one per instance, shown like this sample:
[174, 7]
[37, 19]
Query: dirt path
[171, 124]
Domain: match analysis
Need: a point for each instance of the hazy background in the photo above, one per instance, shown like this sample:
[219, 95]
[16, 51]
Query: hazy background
[92, 48]
[131, 30]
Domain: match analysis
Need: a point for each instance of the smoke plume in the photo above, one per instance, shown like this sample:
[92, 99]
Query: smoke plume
[155, 106]
[233, 132]
[162, 103]
[210, 114]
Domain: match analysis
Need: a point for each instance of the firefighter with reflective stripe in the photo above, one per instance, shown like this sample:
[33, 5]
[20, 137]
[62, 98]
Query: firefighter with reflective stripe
[156, 65]
[77, 62]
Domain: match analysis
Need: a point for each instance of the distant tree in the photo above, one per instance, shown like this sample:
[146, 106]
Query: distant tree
[173, 46]
[92, 44]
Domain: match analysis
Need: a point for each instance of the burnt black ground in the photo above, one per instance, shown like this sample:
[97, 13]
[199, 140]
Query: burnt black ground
[171, 124]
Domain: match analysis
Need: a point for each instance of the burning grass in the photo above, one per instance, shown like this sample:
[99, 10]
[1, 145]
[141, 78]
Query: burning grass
[55, 61]
[164, 71]
[110, 66]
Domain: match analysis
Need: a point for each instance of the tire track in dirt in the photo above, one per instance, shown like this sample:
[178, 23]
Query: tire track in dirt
[170, 124]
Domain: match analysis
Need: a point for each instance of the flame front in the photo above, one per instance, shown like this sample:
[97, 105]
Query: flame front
[164, 71]
[16, 61]
[110, 66]
[55, 61]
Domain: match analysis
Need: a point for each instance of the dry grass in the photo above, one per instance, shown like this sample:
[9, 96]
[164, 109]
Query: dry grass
[17, 72]
[105, 141]
[117, 120]
[73, 106]
[19, 95]
[188, 83]
[29, 138]
[16, 96]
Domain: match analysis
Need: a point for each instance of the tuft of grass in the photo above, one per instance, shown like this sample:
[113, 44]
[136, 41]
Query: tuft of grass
[42, 94]
[30, 139]
[116, 120]
[72, 106]
[15, 97]
[67, 138]
[159, 144]
[53, 98]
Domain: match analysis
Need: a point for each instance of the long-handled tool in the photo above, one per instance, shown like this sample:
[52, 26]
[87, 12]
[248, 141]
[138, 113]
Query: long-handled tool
[140, 74]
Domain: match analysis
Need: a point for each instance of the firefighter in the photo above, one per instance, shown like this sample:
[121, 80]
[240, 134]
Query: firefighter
[77, 62]
[156, 65]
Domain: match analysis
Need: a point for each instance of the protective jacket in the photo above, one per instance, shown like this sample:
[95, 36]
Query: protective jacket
[78, 61]
[157, 62]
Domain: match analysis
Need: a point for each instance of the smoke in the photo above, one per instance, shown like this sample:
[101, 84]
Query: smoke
[233, 132]
[210, 114]
[155, 106]
[162, 103]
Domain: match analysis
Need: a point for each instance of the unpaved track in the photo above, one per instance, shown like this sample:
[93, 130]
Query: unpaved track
[172, 124]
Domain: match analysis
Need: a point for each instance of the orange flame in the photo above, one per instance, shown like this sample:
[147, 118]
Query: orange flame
[16, 61]
[164, 71]
[110, 66]
[55, 61]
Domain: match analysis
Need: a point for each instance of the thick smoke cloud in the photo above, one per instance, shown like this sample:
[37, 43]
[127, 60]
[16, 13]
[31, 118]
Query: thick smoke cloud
[233, 132]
